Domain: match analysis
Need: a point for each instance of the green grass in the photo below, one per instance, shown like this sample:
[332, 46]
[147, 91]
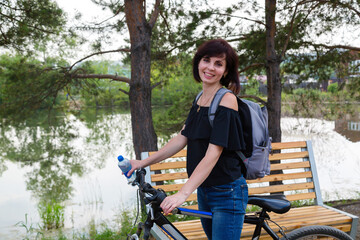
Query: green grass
[30, 231]
[51, 214]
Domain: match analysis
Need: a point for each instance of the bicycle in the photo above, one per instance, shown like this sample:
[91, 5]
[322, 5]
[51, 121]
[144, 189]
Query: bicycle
[276, 203]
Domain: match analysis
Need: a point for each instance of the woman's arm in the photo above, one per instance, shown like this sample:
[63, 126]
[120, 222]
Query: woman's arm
[173, 146]
[201, 172]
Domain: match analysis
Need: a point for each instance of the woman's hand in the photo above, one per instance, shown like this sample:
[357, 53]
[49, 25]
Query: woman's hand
[135, 164]
[172, 202]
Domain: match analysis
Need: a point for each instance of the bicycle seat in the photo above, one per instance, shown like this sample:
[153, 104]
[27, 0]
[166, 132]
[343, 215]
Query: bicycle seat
[276, 203]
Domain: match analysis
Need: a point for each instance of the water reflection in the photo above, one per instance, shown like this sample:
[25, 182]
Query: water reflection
[56, 149]
[43, 144]
[349, 126]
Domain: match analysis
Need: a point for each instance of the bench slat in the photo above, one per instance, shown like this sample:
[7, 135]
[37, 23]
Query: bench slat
[170, 187]
[301, 196]
[280, 177]
[281, 188]
[168, 176]
[168, 165]
[181, 153]
[290, 155]
[192, 197]
[287, 145]
[293, 165]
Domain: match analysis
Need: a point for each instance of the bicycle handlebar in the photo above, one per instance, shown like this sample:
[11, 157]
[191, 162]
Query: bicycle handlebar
[156, 195]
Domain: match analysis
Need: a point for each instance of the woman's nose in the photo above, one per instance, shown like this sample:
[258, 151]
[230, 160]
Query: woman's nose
[211, 66]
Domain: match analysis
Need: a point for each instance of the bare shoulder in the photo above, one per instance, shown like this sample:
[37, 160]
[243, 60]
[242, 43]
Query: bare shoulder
[229, 101]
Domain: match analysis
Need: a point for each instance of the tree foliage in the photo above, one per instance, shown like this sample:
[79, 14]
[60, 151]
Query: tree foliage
[26, 84]
[24, 24]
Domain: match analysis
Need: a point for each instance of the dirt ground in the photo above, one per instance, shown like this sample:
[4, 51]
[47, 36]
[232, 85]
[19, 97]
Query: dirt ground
[352, 207]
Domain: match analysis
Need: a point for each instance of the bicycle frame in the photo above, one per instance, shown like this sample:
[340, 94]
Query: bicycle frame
[162, 222]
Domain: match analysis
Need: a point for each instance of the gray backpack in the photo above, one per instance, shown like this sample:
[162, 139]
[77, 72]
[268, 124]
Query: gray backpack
[258, 143]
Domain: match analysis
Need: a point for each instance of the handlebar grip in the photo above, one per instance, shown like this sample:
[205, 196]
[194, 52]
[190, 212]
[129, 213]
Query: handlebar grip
[157, 195]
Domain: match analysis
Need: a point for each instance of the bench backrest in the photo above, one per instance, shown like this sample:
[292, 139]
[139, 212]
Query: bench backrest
[293, 171]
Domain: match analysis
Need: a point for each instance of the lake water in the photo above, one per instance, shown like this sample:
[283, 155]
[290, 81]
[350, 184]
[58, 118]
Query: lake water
[73, 160]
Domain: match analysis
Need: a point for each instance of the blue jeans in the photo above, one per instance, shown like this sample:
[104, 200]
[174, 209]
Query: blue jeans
[228, 204]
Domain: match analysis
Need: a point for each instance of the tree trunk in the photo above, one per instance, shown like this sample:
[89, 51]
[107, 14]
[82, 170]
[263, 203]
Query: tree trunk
[144, 136]
[273, 73]
[273, 78]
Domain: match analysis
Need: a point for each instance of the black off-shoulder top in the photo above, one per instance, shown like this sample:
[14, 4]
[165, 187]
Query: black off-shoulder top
[226, 132]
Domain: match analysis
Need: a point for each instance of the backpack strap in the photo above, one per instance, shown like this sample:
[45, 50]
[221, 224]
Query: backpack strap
[215, 103]
[212, 110]
[241, 155]
[197, 97]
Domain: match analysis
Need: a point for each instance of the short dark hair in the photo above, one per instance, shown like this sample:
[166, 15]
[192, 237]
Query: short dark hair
[218, 48]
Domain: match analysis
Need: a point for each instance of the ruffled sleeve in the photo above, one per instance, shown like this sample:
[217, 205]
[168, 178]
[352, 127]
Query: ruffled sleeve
[197, 124]
[227, 129]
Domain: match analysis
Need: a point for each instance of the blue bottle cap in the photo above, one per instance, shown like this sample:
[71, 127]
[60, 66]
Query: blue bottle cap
[120, 158]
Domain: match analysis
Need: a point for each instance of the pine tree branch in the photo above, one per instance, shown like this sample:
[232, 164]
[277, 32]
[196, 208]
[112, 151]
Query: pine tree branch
[289, 33]
[332, 46]
[102, 76]
[155, 13]
[299, 24]
[99, 53]
[122, 90]
[117, 13]
[245, 18]
[156, 84]
[254, 65]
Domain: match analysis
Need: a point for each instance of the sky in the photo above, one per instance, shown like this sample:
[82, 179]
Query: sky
[347, 35]
[90, 13]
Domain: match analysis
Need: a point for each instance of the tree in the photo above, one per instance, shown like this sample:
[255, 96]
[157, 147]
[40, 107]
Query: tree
[24, 24]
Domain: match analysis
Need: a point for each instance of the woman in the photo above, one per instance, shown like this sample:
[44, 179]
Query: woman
[213, 166]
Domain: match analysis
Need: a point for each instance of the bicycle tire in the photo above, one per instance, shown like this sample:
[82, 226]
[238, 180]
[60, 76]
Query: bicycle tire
[316, 232]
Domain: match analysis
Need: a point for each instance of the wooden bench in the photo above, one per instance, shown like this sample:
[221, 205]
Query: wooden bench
[298, 181]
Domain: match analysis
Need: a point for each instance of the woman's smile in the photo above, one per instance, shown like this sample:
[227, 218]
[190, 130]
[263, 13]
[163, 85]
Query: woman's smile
[212, 69]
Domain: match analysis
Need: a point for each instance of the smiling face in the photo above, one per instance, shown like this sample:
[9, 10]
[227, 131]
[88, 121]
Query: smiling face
[216, 60]
[212, 69]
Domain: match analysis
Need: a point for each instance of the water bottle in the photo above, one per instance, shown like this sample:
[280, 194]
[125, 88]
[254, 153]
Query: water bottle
[125, 166]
